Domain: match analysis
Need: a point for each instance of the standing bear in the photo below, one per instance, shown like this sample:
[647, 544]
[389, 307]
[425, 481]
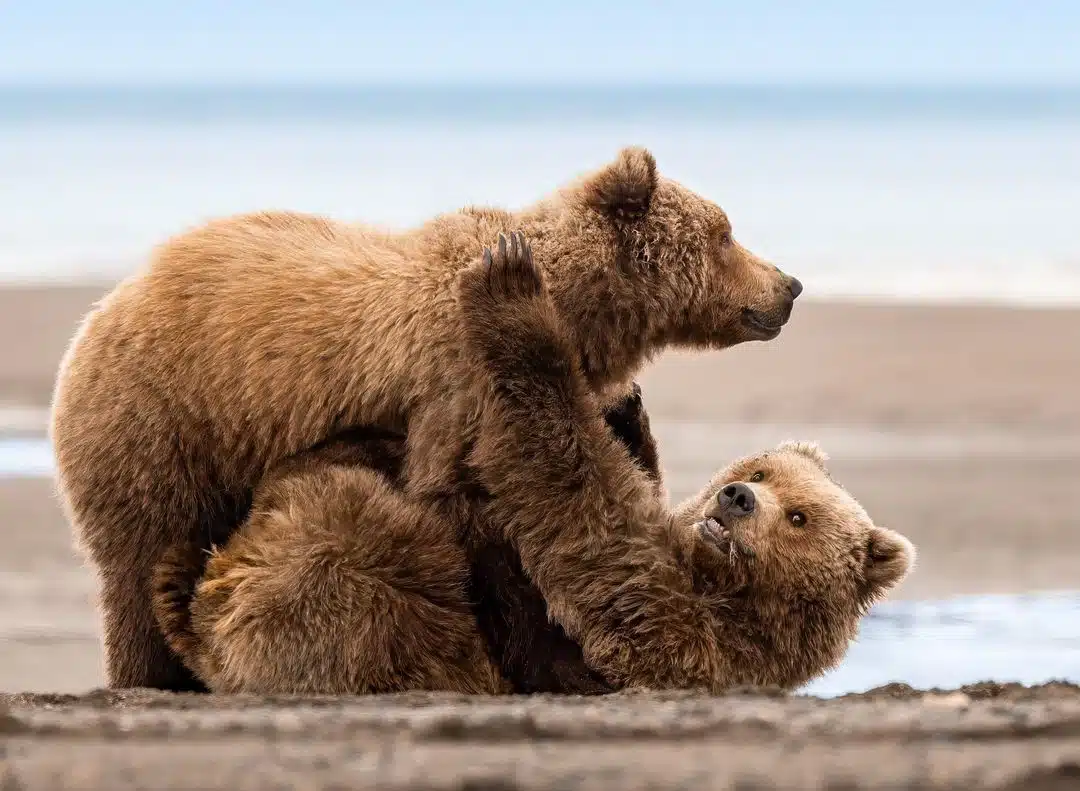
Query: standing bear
[254, 337]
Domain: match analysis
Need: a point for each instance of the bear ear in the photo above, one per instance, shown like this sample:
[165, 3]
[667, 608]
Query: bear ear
[810, 450]
[887, 559]
[623, 189]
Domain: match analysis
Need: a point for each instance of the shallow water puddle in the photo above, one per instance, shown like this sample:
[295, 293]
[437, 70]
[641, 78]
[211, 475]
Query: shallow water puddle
[25, 457]
[1030, 638]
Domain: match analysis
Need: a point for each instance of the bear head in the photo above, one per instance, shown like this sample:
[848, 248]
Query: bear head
[637, 262]
[797, 562]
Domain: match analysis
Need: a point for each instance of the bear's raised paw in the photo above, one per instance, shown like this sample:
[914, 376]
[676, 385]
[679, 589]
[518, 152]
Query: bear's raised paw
[506, 274]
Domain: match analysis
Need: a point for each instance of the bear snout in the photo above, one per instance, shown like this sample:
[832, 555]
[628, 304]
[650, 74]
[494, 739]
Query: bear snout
[736, 500]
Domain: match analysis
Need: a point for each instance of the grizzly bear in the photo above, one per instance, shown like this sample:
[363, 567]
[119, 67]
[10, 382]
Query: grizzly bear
[339, 584]
[533, 653]
[255, 337]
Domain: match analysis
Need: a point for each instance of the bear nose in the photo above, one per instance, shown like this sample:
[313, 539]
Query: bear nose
[736, 499]
[795, 287]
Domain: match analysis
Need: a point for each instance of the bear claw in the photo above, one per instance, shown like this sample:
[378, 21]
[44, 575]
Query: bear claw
[509, 270]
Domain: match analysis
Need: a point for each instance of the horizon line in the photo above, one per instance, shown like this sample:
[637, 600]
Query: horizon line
[473, 84]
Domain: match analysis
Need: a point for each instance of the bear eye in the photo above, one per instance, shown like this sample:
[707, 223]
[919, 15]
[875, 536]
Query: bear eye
[725, 238]
[798, 518]
[757, 477]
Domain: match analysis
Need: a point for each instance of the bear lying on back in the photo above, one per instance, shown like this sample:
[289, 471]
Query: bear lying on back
[338, 584]
[532, 653]
[255, 337]
[302, 601]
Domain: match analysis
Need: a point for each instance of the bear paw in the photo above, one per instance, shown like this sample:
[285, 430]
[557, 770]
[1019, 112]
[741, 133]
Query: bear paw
[509, 320]
[505, 275]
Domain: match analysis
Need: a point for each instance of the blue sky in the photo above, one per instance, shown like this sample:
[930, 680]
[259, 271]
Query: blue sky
[95, 41]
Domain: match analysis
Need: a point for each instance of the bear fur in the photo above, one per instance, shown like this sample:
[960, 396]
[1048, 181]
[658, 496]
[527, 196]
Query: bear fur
[533, 653]
[252, 338]
[338, 584]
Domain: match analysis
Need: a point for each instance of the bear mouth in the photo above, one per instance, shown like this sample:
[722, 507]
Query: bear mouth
[716, 524]
[725, 539]
[764, 325]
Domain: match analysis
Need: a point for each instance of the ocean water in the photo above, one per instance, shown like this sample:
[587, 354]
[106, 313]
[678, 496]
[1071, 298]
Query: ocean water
[918, 193]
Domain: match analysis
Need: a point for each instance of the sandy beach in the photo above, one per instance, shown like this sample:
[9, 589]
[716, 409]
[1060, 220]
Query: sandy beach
[958, 426]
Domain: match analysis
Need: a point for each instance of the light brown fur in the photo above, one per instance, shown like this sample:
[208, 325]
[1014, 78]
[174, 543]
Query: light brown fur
[789, 598]
[336, 584]
[254, 337]
[590, 529]
[657, 598]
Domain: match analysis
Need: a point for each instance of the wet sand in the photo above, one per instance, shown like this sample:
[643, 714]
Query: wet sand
[957, 426]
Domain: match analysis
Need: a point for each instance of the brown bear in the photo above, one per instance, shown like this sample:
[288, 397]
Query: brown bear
[533, 653]
[254, 337]
[339, 584]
